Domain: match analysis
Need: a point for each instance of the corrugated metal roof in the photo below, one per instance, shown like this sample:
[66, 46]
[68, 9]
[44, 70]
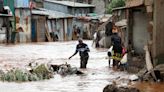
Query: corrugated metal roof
[119, 8]
[121, 23]
[55, 14]
[71, 4]
[105, 18]
[5, 15]
[39, 12]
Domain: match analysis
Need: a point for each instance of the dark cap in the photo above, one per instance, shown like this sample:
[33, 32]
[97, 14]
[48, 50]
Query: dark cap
[80, 39]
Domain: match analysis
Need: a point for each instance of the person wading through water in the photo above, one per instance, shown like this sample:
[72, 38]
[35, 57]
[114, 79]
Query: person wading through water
[117, 47]
[83, 50]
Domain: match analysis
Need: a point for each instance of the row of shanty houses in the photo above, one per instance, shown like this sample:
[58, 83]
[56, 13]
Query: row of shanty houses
[47, 20]
[141, 23]
[56, 23]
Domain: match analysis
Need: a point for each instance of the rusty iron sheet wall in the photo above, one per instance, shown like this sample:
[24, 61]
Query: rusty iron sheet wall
[39, 25]
[23, 19]
[60, 29]
[41, 29]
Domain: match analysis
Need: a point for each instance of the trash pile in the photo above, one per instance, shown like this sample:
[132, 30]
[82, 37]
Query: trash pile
[65, 69]
[37, 72]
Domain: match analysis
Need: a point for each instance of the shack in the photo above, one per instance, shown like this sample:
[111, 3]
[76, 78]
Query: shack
[5, 28]
[72, 8]
[38, 26]
[59, 25]
[5, 23]
[23, 21]
[144, 28]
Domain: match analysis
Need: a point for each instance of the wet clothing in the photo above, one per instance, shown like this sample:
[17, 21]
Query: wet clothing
[82, 49]
[83, 52]
[117, 48]
[84, 61]
[116, 42]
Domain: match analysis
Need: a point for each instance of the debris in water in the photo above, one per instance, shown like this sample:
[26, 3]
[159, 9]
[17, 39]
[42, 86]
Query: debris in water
[66, 69]
[41, 72]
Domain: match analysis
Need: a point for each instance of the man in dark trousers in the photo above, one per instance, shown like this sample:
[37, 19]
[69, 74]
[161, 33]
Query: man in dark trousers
[83, 50]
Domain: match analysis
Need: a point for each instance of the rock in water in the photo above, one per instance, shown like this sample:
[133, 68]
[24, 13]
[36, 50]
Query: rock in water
[114, 88]
[110, 88]
[133, 78]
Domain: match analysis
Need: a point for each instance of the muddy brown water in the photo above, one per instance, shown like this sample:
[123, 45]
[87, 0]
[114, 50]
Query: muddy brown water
[150, 86]
[96, 77]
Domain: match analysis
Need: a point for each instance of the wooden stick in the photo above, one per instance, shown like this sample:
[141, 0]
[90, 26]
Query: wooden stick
[149, 64]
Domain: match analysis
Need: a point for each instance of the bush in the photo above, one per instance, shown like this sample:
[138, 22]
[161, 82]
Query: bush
[115, 4]
[14, 75]
[43, 72]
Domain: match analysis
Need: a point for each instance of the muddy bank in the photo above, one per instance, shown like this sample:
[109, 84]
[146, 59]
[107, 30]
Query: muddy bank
[156, 74]
[137, 65]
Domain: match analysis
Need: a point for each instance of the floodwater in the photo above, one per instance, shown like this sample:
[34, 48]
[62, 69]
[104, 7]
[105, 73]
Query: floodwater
[150, 86]
[96, 77]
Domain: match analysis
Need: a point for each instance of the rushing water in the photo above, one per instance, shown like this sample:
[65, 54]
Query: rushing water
[96, 77]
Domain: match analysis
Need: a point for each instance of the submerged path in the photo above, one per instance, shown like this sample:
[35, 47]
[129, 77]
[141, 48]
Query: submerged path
[96, 77]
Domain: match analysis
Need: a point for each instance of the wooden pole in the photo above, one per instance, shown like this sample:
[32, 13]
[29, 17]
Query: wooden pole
[149, 64]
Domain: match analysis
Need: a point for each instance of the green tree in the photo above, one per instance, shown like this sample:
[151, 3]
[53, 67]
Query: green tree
[115, 4]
